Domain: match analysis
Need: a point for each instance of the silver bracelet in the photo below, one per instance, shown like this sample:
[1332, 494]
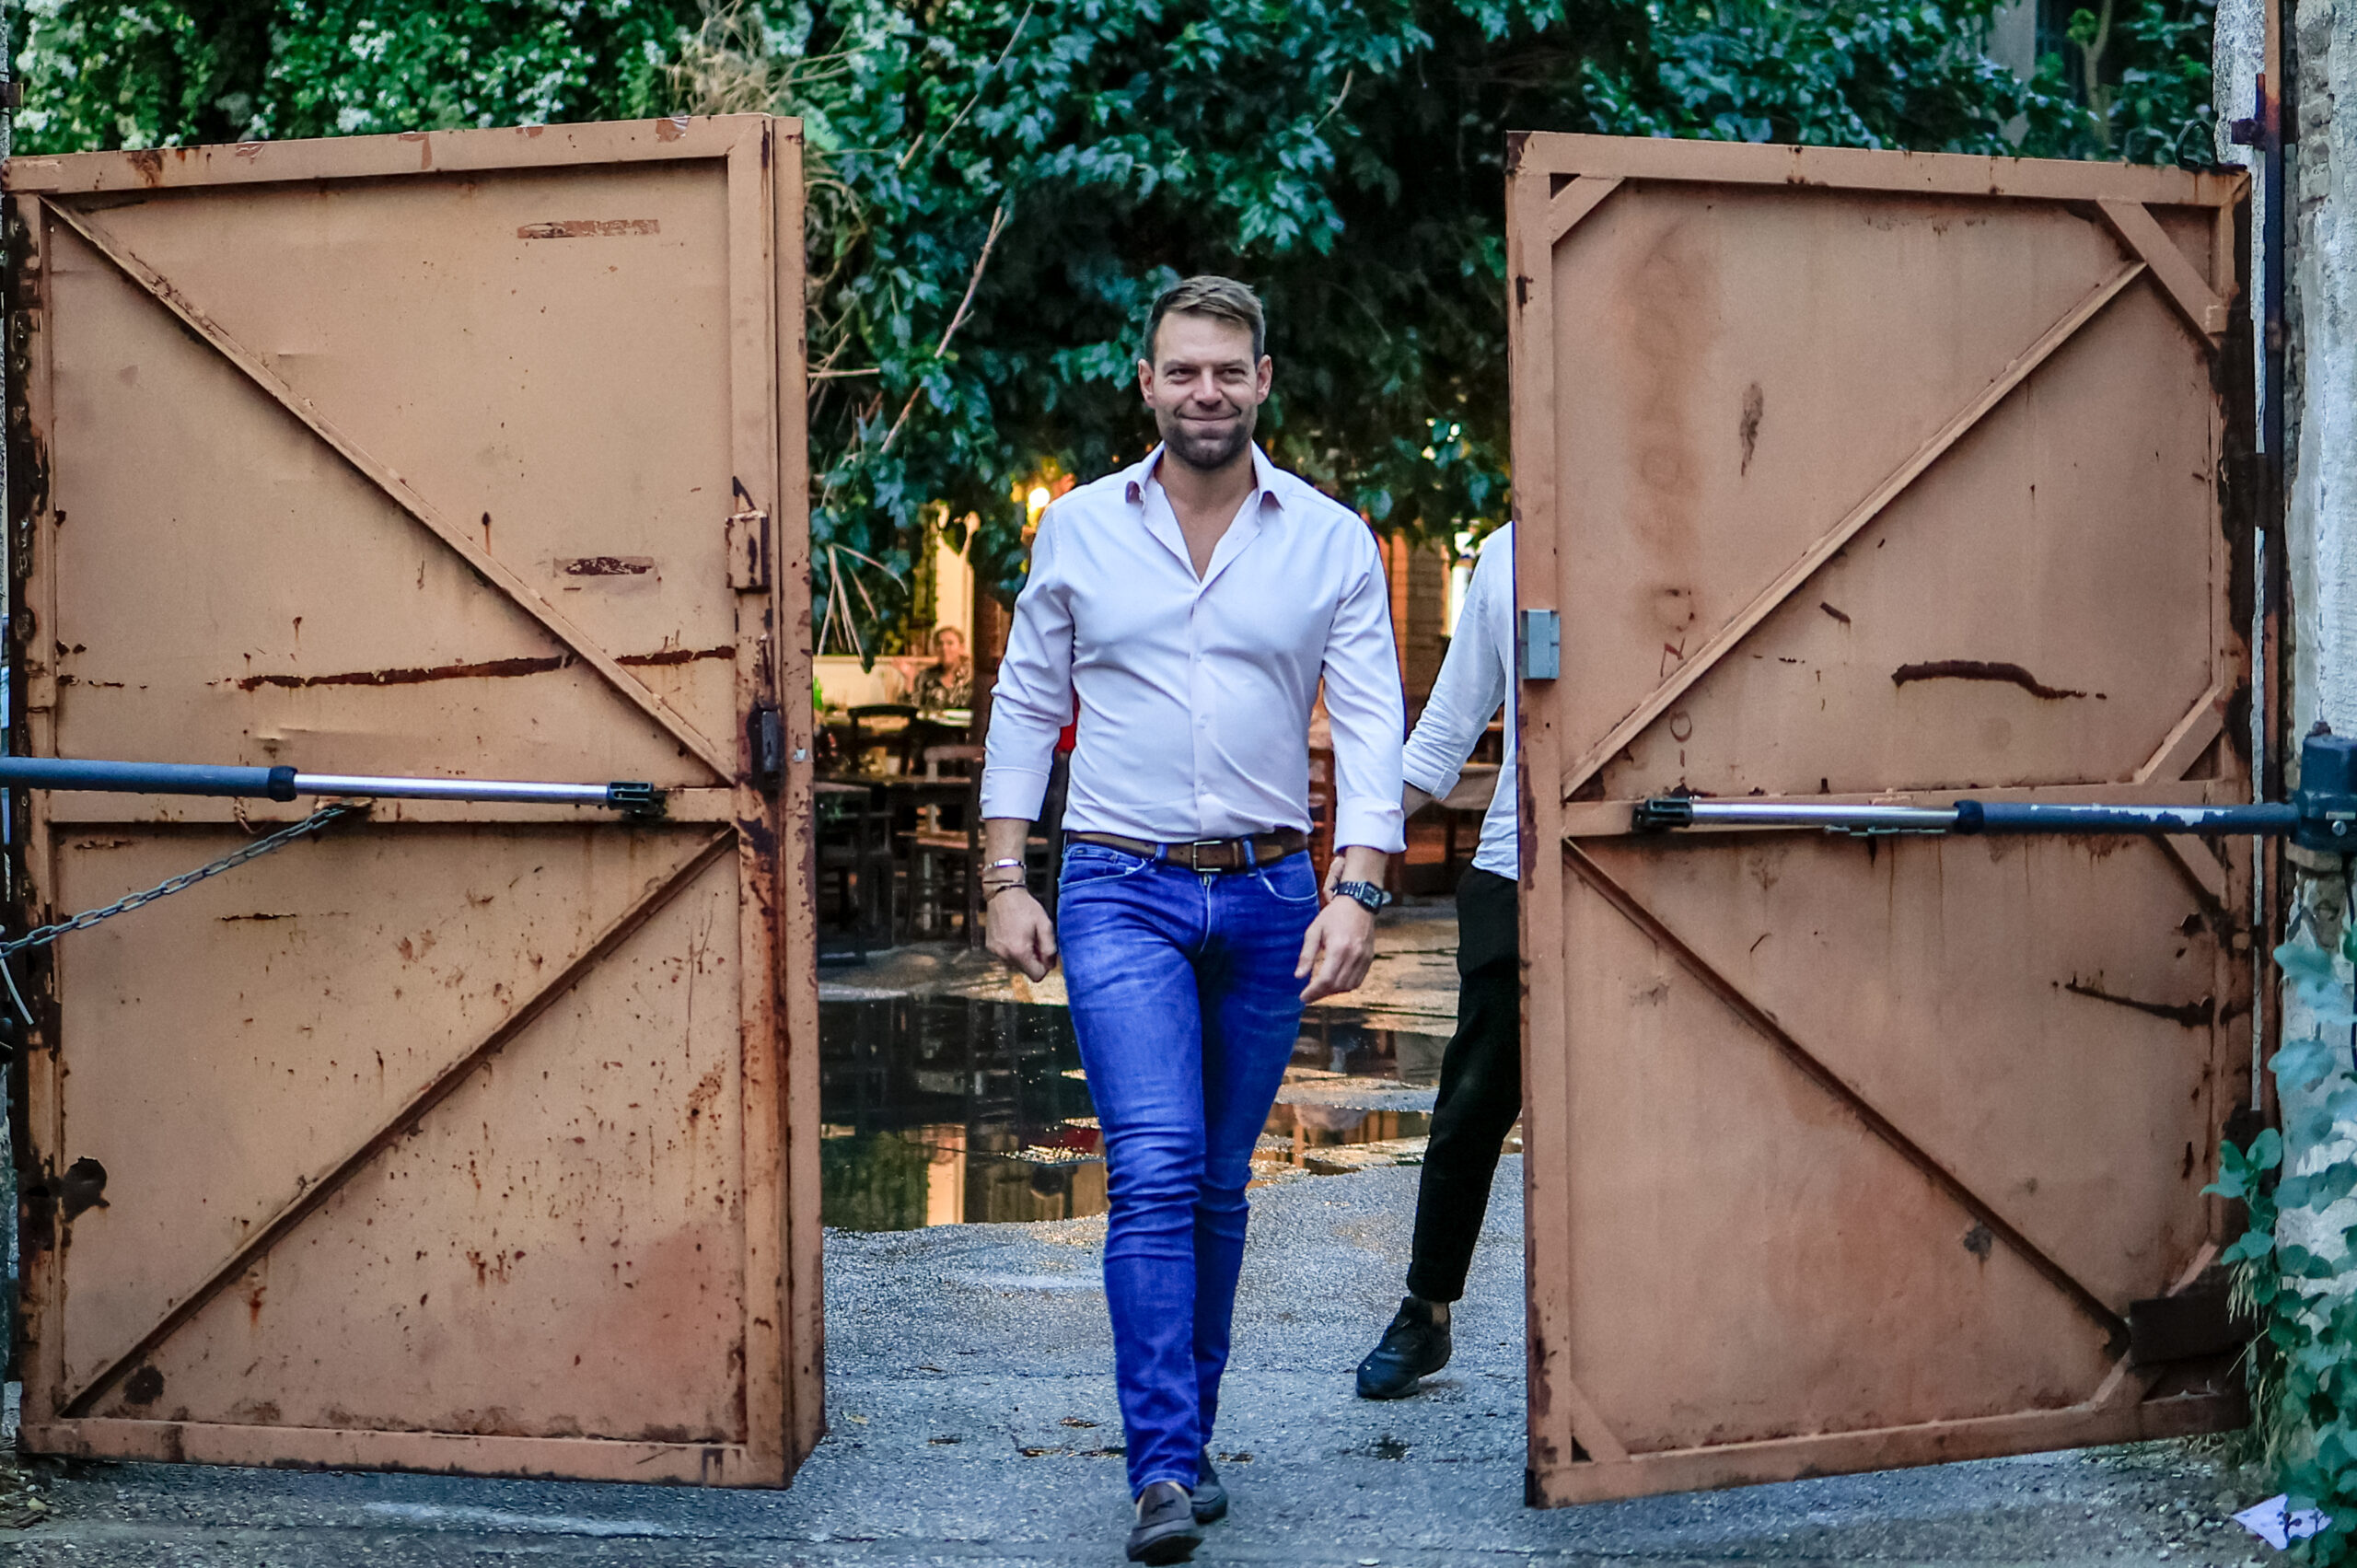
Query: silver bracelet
[1015, 864]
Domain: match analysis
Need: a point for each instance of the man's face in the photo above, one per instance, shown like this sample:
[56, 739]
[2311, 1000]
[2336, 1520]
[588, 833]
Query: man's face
[1204, 389]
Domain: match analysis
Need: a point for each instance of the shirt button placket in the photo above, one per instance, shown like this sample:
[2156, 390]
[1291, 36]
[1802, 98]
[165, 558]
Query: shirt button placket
[1198, 706]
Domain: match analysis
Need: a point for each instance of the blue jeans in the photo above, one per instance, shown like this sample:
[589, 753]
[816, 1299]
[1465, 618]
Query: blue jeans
[1185, 1003]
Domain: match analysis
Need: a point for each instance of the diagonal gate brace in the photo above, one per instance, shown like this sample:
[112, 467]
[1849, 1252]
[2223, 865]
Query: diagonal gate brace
[1764, 1024]
[489, 567]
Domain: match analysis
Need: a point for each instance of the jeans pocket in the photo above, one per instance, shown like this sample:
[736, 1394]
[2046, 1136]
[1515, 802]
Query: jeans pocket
[1292, 880]
[1088, 864]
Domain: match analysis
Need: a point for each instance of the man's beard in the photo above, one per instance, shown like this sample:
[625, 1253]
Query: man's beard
[1204, 452]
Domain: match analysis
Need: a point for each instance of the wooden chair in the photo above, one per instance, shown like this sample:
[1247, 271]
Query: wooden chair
[945, 862]
[855, 873]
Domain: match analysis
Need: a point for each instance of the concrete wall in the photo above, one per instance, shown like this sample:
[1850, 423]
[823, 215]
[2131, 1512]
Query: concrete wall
[2319, 447]
[2320, 403]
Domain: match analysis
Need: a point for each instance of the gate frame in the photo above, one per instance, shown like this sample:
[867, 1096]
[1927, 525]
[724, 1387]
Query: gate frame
[1572, 1456]
[782, 1330]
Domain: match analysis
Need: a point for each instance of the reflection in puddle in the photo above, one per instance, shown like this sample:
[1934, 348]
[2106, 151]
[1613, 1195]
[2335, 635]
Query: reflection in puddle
[955, 1111]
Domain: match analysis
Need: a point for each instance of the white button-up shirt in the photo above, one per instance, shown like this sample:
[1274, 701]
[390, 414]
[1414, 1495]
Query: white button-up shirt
[1475, 676]
[1195, 695]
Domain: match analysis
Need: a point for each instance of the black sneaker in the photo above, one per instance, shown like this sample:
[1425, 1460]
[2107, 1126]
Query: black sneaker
[1413, 1348]
[1211, 1497]
[1166, 1530]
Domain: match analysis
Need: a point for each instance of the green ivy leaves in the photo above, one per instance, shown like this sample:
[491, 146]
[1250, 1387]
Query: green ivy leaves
[2304, 1362]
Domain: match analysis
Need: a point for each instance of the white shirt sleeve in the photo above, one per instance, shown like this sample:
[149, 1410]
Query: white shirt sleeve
[1368, 711]
[1032, 702]
[1471, 685]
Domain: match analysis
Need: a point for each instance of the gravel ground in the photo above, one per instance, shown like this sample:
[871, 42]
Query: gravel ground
[973, 1422]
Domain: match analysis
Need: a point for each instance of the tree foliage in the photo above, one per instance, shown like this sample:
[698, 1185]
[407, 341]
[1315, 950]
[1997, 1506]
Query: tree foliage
[1007, 182]
[2139, 75]
[999, 187]
[171, 72]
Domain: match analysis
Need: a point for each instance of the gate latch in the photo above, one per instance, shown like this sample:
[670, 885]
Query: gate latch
[765, 736]
[1539, 639]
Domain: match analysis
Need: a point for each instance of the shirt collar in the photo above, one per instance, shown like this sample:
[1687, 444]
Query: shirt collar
[1265, 475]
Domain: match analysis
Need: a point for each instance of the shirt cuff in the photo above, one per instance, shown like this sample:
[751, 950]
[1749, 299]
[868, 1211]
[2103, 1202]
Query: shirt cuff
[1014, 792]
[1369, 825]
[1436, 781]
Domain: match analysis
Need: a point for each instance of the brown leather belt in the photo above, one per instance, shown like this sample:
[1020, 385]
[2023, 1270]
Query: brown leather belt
[1206, 854]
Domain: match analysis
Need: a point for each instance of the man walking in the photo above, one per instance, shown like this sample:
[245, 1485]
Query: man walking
[1480, 1072]
[1193, 602]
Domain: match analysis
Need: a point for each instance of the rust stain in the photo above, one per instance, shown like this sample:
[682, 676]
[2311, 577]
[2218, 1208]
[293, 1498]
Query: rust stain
[2190, 1015]
[1672, 319]
[83, 1187]
[145, 1387]
[489, 670]
[1755, 406]
[150, 165]
[678, 655]
[1979, 669]
[1833, 612]
[608, 566]
[707, 1090]
[589, 228]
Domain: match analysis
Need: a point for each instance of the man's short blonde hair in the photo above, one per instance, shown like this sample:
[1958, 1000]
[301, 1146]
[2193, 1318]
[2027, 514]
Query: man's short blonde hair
[1222, 300]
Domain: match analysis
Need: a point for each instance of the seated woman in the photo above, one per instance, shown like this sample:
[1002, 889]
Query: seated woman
[949, 680]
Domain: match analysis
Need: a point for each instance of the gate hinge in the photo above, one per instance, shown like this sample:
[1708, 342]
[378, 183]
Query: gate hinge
[2196, 1321]
[748, 551]
[1538, 644]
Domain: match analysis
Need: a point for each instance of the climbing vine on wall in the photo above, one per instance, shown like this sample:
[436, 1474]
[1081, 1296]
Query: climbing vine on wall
[2304, 1367]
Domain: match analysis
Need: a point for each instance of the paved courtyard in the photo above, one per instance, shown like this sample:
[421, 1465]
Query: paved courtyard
[972, 1422]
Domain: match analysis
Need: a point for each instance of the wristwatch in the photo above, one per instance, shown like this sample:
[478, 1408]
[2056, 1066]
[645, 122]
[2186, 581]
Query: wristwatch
[1366, 893]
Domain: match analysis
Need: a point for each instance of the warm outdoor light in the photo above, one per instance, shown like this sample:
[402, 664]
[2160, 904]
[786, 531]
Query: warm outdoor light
[1036, 502]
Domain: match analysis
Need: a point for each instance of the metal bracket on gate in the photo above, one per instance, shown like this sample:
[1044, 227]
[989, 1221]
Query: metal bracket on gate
[2321, 814]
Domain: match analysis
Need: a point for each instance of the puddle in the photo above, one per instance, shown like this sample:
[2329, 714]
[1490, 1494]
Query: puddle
[956, 1110]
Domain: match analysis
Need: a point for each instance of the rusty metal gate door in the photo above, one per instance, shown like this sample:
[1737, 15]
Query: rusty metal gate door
[1863, 476]
[457, 1138]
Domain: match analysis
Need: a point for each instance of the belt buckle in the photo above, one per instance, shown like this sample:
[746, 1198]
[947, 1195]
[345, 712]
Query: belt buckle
[1195, 854]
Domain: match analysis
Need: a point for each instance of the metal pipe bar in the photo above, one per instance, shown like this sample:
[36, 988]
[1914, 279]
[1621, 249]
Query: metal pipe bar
[382, 788]
[1672, 812]
[146, 778]
[286, 784]
[2029, 816]
[1967, 817]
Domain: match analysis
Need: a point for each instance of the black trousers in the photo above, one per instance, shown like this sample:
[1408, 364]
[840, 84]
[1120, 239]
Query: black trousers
[1480, 1088]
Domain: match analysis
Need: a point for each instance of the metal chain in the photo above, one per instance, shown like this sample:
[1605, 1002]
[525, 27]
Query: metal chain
[44, 936]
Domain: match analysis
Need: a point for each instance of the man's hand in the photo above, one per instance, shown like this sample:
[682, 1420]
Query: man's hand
[1338, 950]
[1340, 946]
[1020, 933]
